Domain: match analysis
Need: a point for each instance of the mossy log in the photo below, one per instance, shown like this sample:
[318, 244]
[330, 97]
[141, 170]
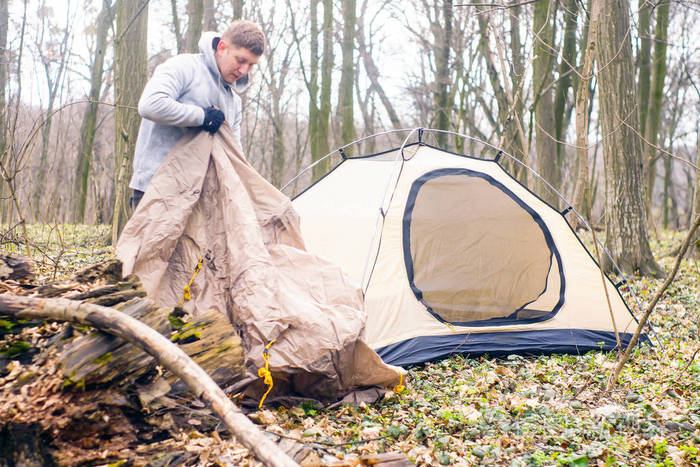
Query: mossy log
[210, 340]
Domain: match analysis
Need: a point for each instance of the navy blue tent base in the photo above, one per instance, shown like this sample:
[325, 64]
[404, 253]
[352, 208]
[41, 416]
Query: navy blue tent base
[571, 341]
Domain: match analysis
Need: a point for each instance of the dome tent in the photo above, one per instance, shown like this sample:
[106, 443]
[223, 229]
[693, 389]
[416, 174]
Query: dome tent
[454, 255]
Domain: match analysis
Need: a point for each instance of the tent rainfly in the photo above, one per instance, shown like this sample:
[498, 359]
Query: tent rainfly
[455, 256]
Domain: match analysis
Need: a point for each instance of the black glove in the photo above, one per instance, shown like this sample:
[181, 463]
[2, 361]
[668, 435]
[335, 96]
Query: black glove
[213, 118]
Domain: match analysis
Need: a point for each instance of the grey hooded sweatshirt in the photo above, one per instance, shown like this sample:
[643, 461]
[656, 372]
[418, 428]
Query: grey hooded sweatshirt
[174, 100]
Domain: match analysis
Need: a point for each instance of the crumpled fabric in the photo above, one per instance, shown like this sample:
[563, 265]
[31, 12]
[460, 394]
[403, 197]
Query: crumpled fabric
[207, 200]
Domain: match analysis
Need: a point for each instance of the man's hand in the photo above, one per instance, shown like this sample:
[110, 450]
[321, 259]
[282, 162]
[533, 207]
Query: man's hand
[213, 118]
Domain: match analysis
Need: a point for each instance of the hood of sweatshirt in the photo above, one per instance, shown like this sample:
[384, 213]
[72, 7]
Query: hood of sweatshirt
[206, 47]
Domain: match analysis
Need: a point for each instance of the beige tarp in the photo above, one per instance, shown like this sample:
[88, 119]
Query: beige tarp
[207, 200]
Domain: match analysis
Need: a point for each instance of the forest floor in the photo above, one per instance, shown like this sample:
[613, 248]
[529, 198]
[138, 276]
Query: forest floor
[547, 410]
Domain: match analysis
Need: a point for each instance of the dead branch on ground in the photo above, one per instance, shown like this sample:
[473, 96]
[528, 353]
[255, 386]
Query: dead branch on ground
[167, 353]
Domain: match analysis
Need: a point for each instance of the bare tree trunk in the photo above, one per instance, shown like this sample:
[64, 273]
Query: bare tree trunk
[347, 76]
[695, 250]
[195, 15]
[89, 125]
[443, 106]
[542, 66]
[566, 75]
[627, 238]
[237, 9]
[314, 112]
[209, 16]
[167, 353]
[668, 168]
[179, 41]
[511, 136]
[515, 130]
[9, 157]
[4, 66]
[54, 78]
[582, 199]
[129, 79]
[644, 61]
[492, 72]
[373, 74]
[655, 102]
[4, 114]
[326, 76]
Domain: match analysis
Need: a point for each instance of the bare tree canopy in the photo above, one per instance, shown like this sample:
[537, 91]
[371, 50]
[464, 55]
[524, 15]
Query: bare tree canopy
[506, 73]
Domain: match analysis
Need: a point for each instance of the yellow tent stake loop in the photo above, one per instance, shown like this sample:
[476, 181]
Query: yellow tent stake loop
[187, 295]
[265, 374]
[399, 388]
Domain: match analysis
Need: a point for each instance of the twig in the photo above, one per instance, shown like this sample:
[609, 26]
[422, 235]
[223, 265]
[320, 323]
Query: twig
[662, 150]
[498, 5]
[689, 363]
[327, 443]
[643, 321]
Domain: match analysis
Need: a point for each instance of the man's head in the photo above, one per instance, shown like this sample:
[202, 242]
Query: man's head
[239, 49]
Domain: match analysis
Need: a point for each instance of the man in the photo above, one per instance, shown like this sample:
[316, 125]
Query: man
[194, 90]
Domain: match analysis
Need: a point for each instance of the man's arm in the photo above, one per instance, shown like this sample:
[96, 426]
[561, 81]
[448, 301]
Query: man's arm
[236, 125]
[159, 99]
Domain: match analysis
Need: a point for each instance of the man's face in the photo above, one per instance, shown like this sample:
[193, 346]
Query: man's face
[234, 62]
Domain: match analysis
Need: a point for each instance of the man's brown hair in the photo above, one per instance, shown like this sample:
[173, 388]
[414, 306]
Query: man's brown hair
[246, 34]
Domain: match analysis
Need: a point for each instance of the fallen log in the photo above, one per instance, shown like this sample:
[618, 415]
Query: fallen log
[168, 354]
[209, 340]
[16, 267]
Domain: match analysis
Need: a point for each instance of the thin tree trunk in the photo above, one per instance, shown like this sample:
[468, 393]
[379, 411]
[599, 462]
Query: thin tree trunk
[54, 82]
[566, 76]
[627, 238]
[493, 74]
[314, 112]
[4, 67]
[168, 354]
[129, 79]
[508, 125]
[195, 16]
[542, 90]
[89, 125]
[179, 40]
[668, 168]
[655, 102]
[443, 106]
[8, 158]
[582, 199]
[209, 16]
[326, 77]
[644, 61]
[237, 9]
[347, 76]
[277, 162]
[515, 130]
[695, 250]
[4, 114]
[373, 74]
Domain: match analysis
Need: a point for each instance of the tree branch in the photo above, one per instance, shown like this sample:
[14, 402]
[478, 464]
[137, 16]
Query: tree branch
[167, 353]
[643, 321]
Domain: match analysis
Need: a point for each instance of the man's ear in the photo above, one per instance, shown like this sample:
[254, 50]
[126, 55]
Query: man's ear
[221, 46]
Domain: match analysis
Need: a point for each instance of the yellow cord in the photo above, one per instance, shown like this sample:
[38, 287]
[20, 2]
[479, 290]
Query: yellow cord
[399, 388]
[265, 374]
[187, 295]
